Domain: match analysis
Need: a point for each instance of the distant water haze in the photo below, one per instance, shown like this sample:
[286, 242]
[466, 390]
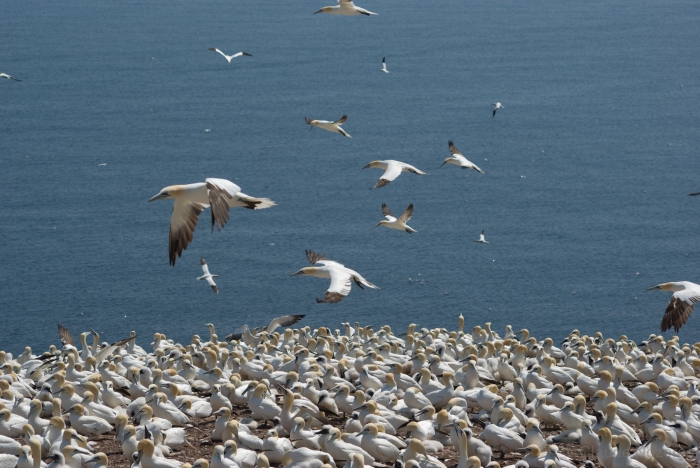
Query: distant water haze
[584, 201]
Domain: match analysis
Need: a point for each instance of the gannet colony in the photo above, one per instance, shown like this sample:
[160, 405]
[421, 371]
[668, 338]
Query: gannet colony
[356, 397]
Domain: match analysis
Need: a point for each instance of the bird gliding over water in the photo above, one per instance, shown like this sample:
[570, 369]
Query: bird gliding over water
[685, 296]
[345, 8]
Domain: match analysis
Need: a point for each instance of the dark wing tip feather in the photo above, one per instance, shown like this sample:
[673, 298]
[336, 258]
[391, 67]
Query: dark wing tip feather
[676, 314]
[330, 298]
[314, 257]
[386, 211]
[65, 335]
[382, 183]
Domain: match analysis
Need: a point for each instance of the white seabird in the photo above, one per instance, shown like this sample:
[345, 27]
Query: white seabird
[208, 276]
[459, 160]
[481, 238]
[496, 106]
[392, 169]
[230, 57]
[192, 199]
[399, 223]
[329, 126]
[384, 66]
[346, 8]
[685, 296]
[9, 77]
[341, 277]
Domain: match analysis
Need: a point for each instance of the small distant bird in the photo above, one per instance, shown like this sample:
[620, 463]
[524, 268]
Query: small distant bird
[459, 160]
[329, 126]
[384, 66]
[346, 8]
[208, 276]
[102, 164]
[496, 106]
[341, 277]
[694, 194]
[481, 238]
[230, 57]
[9, 77]
[685, 296]
[399, 223]
[192, 199]
[392, 169]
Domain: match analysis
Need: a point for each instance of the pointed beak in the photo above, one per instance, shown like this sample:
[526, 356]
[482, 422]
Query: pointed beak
[319, 11]
[368, 165]
[379, 224]
[160, 196]
[298, 273]
[653, 287]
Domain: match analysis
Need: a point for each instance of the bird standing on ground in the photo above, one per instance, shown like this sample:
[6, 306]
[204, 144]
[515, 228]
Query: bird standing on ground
[399, 223]
[341, 277]
[230, 57]
[392, 169]
[384, 66]
[192, 199]
[329, 126]
[496, 106]
[345, 8]
[459, 160]
[208, 276]
[481, 238]
[684, 297]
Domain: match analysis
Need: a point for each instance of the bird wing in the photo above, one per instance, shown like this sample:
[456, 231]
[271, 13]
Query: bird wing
[313, 257]
[220, 192]
[205, 267]
[679, 309]
[211, 282]
[453, 148]
[694, 194]
[308, 120]
[393, 170]
[406, 215]
[66, 337]
[217, 50]
[107, 350]
[340, 286]
[413, 169]
[182, 223]
[387, 212]
[283, 321]
[343, 118]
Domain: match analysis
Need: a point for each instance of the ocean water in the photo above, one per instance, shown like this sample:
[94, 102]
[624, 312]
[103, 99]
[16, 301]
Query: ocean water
[584, 201]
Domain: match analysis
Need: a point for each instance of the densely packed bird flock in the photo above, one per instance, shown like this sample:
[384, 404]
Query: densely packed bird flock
[361, 396]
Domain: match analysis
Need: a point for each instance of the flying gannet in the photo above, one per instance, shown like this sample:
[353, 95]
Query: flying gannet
[399, 223]
[496, 106]
[329, 126]
[346, 8]
[208, 276]
[341, 277]
[283, 321]
[392, 169]
[684, 297]
[481, 238]
[230, 57]
[459, 160]
[192, 199]
[9, 77]
[384, 66]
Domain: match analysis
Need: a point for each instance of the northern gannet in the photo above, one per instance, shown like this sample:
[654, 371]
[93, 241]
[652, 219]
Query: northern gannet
[481, 238]
[496, 106]
[341, 277]
[329, 126]
[66, 336]
[392, 169]
[230, 57]
[384, 66]
[399, 223]
[459, 160]
[208, 276]
[685, 295]
[346, 8]
[283, 321]
[192, 199]
[10, 77]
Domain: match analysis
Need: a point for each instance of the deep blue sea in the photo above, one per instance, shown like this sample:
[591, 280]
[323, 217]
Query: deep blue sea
[584, 201]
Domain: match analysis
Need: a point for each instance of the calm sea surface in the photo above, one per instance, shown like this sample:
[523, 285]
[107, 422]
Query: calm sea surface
[584, 201]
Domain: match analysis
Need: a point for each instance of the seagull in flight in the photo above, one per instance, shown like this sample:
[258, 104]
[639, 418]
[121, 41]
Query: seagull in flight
[496, 106]
[230, 57]
[384, 66]
[685, 296]
[341, 277]
[345, 8]
[192, 199]
[459, 160]
[9, 77]
[329, 126]
[284, 321]
[399, 223]
[208, 276]
[481, 238]
[392, 169]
